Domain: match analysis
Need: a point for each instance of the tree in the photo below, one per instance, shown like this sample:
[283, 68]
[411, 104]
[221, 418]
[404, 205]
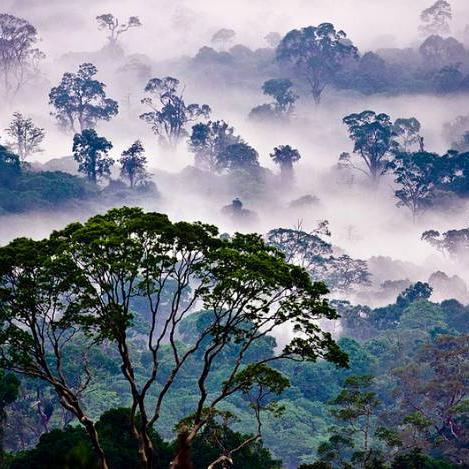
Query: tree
[10, 166]
[417, 291]
[453, 242]
[27, 138]
[414, 172]
[261, 385]
[439, 52]
[36, 333]
[169, 113]
[90, 152]
[92, 271]
[223, 37]
[343, 273]
[432, 395]
[281, 90]
[436, 18]
[9, 386]
[407, 133]
[311, 252]
[448, 79]
[208, 141]
[115, 28]
[133, 162]
[299, 247]
[317, 54]
[372, 135]
[18, 57]
[355, 410]
[80, 100]
[238, 156]
[285, 156]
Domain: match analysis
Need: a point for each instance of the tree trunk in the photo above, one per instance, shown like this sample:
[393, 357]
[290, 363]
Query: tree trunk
[93, 434]
[183, 458]
[145, 450]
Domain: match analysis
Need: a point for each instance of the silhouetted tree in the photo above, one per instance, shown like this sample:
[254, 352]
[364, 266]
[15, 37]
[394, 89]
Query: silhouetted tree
[223, 37]
[285, 156]
[80, 100]
[169, 113]
[417, 291]
[317, 54]
[436, 18]
[91, 152]
[18, 57]
[27, 137]
[109, 22]
[453, 242]
[372, 135]
[208, 141]
[238, 156]
[133, 162]
[281, 90]
[417, 179]
[407, 133]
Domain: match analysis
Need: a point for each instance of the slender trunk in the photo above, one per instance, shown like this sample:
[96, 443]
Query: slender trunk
[146, 451]
[93, 434]
[183, 458]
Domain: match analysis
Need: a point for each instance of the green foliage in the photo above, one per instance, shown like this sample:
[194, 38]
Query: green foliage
[80, 101]
[90, 151]
[316, 53]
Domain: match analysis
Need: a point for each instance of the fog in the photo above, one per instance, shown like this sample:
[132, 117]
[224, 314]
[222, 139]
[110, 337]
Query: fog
[364, 222]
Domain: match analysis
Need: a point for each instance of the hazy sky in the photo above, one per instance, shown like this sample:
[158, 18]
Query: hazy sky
[172, 27]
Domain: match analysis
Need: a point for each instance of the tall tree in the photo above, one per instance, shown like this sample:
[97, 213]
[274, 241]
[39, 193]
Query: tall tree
[110, 23]
[453, 242]
[435, 19]
[285, 156]
[80, 101]
[169, 113]
[18, 56]
[415, 175]
[37, 337]
[317, 54]
[133, 162]
[208, 141]
[238, 156]
[223, 37]
[27, 137]
[280, 89]
[407, 133]
[90, 151]
[432, 393]
[372, 135]
[355, 409]
[90, 274]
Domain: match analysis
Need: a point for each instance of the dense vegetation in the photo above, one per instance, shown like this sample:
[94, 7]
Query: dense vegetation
[134, 340]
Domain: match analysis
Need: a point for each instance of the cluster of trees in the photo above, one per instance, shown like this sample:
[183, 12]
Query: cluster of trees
[118, 292]
[424, 179]
[22, 189]
[79, 289]
[341, 273]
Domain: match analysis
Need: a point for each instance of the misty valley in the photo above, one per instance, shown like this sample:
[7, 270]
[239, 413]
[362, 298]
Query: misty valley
[234, 235]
